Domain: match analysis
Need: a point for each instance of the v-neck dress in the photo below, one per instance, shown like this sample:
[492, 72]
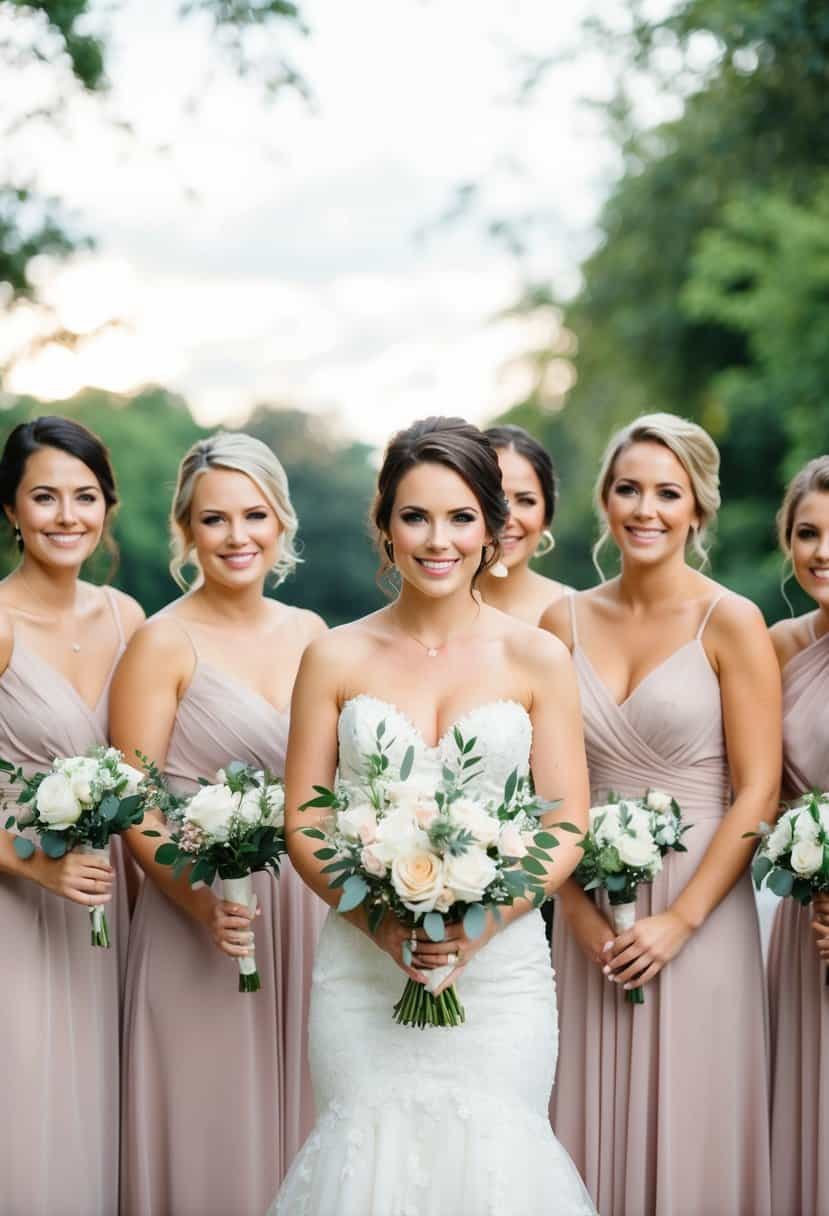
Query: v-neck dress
[663, 1106]
[58, 995]
[798, 996]
[217, 1093]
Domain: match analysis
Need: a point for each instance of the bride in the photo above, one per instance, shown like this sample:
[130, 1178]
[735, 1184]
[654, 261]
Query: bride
[435, 1122]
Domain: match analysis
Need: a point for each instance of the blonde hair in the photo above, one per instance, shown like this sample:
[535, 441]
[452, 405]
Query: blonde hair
[242, 454]
[696, 452]
[813, 476]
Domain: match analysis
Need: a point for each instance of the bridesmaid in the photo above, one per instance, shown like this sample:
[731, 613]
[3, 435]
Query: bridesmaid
[216, 1097]
[663, 1106]
[529, 481]
[799, 949]
[60, 638]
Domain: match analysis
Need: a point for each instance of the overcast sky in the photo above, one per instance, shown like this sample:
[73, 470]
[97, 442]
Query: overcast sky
[269, 254]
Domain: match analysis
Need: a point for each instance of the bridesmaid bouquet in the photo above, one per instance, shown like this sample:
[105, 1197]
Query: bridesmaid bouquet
[231, 829]
[624, 846]
[793, 856]
[432, 856]
[80, 804]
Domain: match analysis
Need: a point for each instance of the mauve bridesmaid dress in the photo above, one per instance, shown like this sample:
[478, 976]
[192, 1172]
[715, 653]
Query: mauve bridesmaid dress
[58, 996]
[217, 1095]
[798, 996]
[663, 1106]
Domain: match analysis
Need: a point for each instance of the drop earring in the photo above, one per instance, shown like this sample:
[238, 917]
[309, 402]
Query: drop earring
[18, 538]
[388, 549]
[546, 544]
[497, 569]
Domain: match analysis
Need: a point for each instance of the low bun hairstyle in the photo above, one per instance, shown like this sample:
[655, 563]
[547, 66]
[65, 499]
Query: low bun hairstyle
[696, 452]
[525, 445]
[457, 445]
[242, 454]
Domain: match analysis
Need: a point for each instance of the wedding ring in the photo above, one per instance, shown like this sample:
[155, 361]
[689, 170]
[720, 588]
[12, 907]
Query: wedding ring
[452, 959]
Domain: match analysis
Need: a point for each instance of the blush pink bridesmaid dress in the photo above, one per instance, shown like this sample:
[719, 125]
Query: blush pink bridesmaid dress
[216, 1090]
[798, 996]
[59, 996]
[663, 1106]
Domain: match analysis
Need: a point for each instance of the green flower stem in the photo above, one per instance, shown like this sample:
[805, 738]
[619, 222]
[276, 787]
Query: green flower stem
[249, 982]
[636, 996]
[99, 929]
[418, 1007]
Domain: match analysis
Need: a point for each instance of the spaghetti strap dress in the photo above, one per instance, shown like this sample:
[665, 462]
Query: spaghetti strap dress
[798, 996]
[58, 997]
[664, 1106]
[217, 1095]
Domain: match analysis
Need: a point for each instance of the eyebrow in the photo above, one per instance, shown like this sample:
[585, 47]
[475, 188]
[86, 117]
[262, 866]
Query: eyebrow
[660, 485]
[260, 506]
[411, 506]
[54, 489]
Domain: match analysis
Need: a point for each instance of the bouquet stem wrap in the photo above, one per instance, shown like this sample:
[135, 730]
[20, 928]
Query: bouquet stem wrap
[240, 891]
[99, 929]
[623, 917]
[420, 1007]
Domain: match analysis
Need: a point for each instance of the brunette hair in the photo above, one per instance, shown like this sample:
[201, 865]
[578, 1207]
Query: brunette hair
[814, 476]
[521, 441]
[243, 454]
[71, 437]
[696, 452]
[457, 445]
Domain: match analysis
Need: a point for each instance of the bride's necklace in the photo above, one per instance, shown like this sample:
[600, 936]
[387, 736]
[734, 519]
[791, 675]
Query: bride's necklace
[432, 651]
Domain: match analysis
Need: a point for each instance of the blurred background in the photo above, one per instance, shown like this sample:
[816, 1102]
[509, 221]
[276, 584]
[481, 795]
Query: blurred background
[321, 220]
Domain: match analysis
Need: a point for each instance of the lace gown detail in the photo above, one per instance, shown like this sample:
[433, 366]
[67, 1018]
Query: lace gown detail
[798, 998]
[438, 1122]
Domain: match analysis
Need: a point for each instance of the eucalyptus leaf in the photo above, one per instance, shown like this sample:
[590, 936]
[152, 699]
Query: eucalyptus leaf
[533, 866]
[434, 926]
[167, 854]
[781, 882]
[355, 890]
[408, 761]
[23, 847]
[53, 844]
[474, 921]
[109, 807]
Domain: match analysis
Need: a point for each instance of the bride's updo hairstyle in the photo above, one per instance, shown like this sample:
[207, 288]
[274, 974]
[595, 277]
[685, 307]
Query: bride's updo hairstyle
[813, 477]
[457, 445]
[242, 454]
[696, 452]
[73, 438]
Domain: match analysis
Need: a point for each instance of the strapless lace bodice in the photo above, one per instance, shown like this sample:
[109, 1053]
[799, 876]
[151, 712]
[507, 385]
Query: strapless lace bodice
[436, 1122]
[502, 731]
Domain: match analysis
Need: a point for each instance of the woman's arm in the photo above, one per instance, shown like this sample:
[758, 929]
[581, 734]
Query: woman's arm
[751, 700]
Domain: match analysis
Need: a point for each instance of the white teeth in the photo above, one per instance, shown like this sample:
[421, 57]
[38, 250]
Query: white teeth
[436, 565]
[65, 538]
[821, 574]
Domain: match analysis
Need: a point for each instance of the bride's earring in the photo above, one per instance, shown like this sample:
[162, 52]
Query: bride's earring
[546, 544]
[388, 549]
[18, 538]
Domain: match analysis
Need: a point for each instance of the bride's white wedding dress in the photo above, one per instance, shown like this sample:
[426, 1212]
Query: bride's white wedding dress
[434, 1122]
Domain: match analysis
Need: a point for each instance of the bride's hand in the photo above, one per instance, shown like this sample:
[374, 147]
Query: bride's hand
[390, 937]
[454, 951]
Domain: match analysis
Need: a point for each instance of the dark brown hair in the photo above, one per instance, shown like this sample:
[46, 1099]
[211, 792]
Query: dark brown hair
[511, 436]
[457, 445]
[54, 431]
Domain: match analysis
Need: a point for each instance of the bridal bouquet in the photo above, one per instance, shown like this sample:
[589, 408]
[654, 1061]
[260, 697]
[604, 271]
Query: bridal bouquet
[624, 846]
[231, 828]
[793, 856]
[79, 804]
[431, 855]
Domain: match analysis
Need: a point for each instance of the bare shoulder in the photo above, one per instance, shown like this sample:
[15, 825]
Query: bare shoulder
[556, 619]
[789, 637]
[734, 616]
[129, 610]
[310, 624]
[540, 651]
[736, 638]
[161, 645]
[341, 649]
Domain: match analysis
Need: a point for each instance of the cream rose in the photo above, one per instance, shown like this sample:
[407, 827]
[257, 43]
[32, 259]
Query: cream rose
[470, 874]
[417, 877]
[134, 778]
[81, 773]
[658, 801]
[638, 851]
[476, 820]
[806, 828]
[807, 857]
[445, 900]
[275, 799]
[359, 823]
[510, 842]
[398, 832]
[371, 863]
[607, 831]
[57, 804]
[250, 806]
[211, 809]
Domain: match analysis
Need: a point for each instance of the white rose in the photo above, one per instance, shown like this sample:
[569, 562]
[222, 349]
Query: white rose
[475, 819]
[470, 874]
[417, 788]
[211, 809]
[275, 798]
[510, 842]
[638, 851]
[779, 839]
[371, 863]
[81, 772]
[658, 801]
[805, 827]
[57, 805]
[250, 806]
[398, 832]
[807, 857]
[417, 877]
[134, 778]
[358, 823]
[606, 832]
[666, 833]
[445, 900]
